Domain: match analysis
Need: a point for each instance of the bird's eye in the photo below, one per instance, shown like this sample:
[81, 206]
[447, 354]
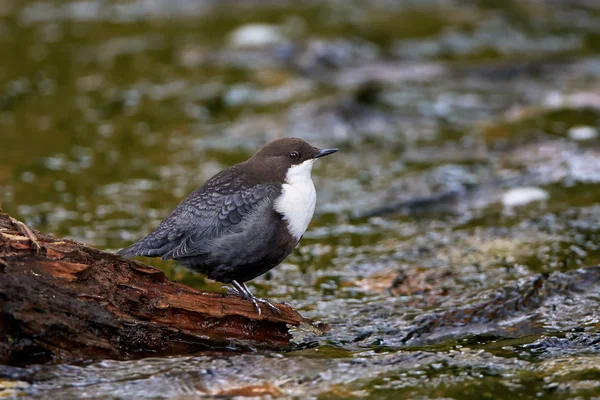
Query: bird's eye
[294, 155]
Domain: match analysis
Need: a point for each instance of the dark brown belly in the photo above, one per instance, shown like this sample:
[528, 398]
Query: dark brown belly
[245, 261]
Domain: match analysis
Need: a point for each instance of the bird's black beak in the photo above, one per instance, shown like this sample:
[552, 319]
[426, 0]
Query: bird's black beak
[325, 152]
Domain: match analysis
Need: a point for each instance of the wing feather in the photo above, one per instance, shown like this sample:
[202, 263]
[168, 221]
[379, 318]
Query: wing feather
[235, 209]
[202, 217]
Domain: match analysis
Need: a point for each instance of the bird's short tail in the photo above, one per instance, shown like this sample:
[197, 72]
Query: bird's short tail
[146, 248]
[130, 251]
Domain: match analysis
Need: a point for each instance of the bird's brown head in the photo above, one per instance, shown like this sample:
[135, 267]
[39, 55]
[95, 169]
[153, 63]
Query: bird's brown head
[273, 161]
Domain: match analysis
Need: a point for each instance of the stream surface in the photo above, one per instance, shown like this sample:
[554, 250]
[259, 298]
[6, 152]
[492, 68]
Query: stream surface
[455, 247]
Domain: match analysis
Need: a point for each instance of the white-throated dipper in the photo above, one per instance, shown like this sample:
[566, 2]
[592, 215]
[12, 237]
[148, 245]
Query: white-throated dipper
[243, 221]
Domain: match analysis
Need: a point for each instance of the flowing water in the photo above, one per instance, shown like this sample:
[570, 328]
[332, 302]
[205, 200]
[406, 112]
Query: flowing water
[456, 241]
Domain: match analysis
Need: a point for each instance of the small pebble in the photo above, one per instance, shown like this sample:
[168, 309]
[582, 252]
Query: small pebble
[523, 195]
[12, 389]
[256, 35]
[583, 132]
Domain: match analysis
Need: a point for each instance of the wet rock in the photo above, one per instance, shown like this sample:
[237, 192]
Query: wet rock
[265, 389]
[13, 389]
[379, 282]
[524, 195]
[424, 288]
[440, 189]
[390, 73]
[513, 179]
[436, 203]
[577, 100]
[514, 309]
[572, 343]
[318, 58]
[251, 95]
[557, 161]
[483, 39]
[341, 119]
[583, 133]
[256, 35]
[90, 11]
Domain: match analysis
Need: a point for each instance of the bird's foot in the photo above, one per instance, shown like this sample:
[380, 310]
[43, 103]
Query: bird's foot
[244, 292]
[270, 305]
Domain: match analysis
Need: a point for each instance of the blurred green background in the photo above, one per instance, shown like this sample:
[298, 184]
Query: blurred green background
[469, 163]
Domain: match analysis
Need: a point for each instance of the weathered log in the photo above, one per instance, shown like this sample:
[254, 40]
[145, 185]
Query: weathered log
[65, 301]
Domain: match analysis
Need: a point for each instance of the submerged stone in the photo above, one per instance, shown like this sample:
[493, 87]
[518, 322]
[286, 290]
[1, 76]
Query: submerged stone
[517, 310]
[583, 133]
[523, 195]
[256, 35]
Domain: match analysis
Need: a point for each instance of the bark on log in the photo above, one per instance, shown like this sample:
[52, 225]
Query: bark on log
[65, 301]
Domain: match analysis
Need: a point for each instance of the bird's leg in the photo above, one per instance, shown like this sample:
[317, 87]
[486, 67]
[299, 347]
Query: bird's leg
[266, 302]
[244, 289]
[232, 290]
[240, 289]
[244, 293]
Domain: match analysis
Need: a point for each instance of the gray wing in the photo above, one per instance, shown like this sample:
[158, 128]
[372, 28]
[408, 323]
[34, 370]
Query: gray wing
[202, 217]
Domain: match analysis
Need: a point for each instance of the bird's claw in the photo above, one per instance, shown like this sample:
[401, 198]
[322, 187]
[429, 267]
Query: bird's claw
[231, 290]
[242, 291]
[270, 305]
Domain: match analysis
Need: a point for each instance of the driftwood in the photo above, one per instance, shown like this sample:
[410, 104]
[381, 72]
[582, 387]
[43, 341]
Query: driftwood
[62, 301]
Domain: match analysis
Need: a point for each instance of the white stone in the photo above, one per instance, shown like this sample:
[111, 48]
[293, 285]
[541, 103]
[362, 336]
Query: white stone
[256, 35]
[298, 198]
[523, 195]
[583, 132]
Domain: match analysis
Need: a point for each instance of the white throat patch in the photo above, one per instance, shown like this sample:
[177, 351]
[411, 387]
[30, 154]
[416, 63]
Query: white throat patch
[298, 197]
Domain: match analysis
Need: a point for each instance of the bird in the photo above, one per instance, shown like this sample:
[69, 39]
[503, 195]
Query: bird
[243, 221]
